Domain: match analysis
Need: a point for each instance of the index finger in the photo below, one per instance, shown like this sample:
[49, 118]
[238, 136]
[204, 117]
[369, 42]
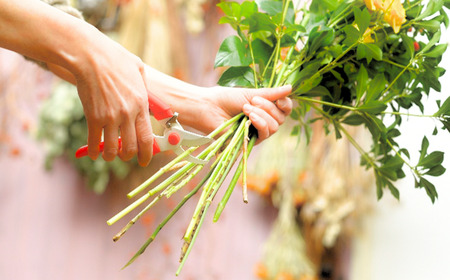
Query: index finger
[94, 138]
[271, 94]
[144, 137]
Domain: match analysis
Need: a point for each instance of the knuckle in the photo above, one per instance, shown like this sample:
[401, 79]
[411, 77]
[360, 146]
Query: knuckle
[109, 153]
[129, 152]
[273, 129]
[145, 139]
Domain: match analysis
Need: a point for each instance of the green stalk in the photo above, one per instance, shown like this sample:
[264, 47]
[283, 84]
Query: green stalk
[398, 76]
[127, 210]
[164, 222]
[160, 172]
[137, 217]
[190, 243]
[182, 172]
[278, 46]
[311, 100]
[255, 77]
[244, 162]
[166, 168]
[233, 183]
[238, 134]
[200, 167]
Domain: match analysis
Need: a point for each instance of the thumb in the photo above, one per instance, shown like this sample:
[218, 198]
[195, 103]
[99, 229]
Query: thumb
[271, 94]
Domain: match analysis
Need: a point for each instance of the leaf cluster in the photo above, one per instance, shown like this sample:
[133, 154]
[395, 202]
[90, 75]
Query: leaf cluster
[348, 67]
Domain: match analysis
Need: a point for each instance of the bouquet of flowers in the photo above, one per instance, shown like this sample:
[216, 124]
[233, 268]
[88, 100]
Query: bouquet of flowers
[350, 62]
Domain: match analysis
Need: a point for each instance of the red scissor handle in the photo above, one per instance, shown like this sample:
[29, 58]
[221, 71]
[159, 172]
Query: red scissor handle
[83, 151]
[159, 109]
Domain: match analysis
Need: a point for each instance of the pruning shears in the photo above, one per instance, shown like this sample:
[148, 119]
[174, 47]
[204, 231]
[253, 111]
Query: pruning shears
[173, 138]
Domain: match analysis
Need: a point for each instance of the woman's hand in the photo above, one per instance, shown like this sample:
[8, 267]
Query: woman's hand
[114, 99]
[205, 108]
[266, 108]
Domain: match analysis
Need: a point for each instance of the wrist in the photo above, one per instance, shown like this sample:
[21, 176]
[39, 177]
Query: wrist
[186, 99]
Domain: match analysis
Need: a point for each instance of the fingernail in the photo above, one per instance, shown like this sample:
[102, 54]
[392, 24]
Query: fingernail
[247, 108]
[257, 100]
[254, 117]
[282, 103]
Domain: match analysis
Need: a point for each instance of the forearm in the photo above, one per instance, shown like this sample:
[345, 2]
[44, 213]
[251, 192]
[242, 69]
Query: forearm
[188, 100]
[39, 31]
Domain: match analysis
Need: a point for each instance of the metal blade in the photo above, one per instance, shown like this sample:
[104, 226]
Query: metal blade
[192, 139]
[190, 158]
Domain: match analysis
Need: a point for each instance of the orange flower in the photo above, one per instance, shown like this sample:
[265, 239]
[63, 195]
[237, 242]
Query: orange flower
[261, 271]
[393, 10]
[283, 53]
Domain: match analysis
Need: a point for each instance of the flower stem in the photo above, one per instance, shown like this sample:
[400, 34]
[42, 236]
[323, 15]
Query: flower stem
[164, 222]
[244, 162]
[233, 183]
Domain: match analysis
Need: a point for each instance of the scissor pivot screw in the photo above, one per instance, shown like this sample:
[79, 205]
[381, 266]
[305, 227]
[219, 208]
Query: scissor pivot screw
[173, 138]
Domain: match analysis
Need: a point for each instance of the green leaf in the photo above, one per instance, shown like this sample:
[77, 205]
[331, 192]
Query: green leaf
[430, 25]
[319, 91]
[308, 84]
[408, 43]
[431, 160]
[351, 35]
[261, 22]
[433, 41]
[229, 20]
[270, 6]
[393, 163]
[375, 88]
[437, 51]
[337, 132]
[261, 51]
[231, 9]
[237, 76]
[320, 36]
[429, 187]
[435, 131]
[353, 119]
[373, 107]
[446, 124]
[380, 183]
[369, 52]
[232, 52]
[405, 152]
[393, 189]
[392, 133]
[389, 173]
[433, 7]
[424, 148]
[444, 109]
[436, 171]
[362, 19]
[248, 9]
[361, 80]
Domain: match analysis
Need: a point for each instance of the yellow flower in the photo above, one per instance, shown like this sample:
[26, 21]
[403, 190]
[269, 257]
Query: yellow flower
[395, 16]
[375, 5]
[368, 36]
[393, 10]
